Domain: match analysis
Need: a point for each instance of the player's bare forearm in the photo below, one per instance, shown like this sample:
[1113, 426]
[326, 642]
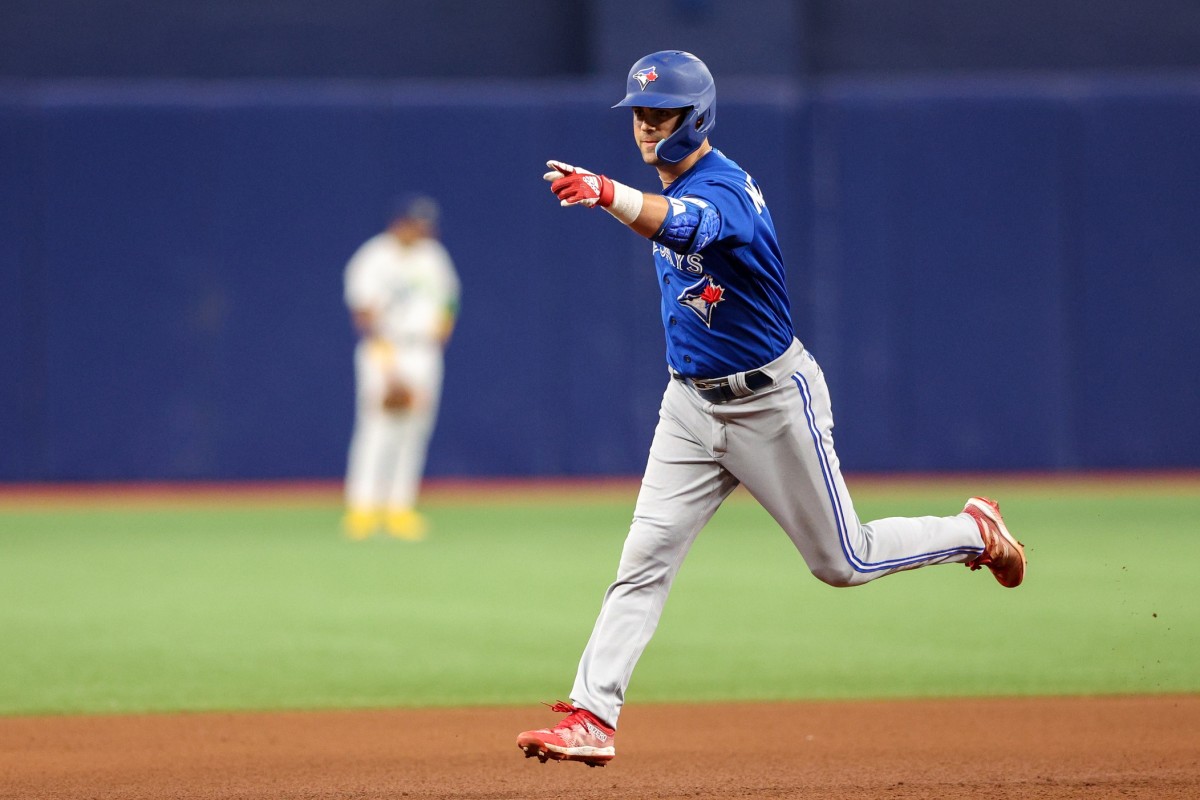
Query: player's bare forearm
[446, 329]
[653, 214]
[364, 320]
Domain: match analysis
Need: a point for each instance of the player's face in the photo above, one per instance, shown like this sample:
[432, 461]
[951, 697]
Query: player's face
[651, 126]
[410, 230]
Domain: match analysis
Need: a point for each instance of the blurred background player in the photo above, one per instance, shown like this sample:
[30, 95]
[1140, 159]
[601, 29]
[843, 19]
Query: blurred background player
[402, 291]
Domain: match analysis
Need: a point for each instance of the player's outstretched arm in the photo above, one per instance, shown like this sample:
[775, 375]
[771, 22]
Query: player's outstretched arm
[575, 186]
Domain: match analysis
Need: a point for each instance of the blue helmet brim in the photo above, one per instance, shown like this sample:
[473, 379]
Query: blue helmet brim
[655, 100]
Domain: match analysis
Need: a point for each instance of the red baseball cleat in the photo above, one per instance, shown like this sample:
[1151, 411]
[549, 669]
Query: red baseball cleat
[581, 736]
[1002, 553]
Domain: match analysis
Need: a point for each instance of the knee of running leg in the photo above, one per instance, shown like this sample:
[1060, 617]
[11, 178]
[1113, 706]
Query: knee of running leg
[637, 574]
[839, 576]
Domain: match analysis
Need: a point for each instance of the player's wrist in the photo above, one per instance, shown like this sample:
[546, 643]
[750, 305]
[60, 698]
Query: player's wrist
[625, 202]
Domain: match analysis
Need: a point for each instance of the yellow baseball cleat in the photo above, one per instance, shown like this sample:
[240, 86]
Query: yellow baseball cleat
[360, 523]
[407, 525]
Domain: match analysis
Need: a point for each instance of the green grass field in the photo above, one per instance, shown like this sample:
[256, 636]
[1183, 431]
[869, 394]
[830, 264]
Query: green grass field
[263, 605]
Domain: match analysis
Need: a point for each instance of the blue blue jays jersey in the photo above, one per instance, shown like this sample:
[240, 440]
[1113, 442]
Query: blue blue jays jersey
[725, 306]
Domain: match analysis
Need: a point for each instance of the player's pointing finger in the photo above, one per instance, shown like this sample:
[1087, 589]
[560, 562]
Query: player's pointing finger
[557, 170]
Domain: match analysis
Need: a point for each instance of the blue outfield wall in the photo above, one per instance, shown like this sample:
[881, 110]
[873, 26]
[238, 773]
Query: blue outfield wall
[995, 274]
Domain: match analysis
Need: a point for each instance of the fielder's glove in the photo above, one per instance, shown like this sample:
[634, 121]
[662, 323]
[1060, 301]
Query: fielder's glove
[398, 397]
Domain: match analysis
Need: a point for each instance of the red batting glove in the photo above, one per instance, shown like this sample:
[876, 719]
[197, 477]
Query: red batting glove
[576, 186]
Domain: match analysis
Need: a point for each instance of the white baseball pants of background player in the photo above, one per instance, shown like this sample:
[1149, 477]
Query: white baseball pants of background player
[778, 443]
[388, 448]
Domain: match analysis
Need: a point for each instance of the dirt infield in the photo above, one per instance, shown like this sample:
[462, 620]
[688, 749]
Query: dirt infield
[1096, 748]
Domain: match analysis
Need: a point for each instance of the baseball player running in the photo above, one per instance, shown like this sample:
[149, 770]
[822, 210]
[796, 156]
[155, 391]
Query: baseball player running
[746, 403]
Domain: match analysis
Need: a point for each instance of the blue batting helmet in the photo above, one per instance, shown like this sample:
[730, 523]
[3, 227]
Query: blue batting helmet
[675, 79]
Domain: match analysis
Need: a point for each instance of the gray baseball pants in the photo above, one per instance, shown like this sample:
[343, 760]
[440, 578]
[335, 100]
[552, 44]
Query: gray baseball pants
[778, 443]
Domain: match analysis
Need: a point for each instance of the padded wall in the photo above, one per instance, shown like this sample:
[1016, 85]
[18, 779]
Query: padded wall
[993, 274]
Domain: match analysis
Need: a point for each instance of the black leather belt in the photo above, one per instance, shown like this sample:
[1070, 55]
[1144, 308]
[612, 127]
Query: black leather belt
[719, 390]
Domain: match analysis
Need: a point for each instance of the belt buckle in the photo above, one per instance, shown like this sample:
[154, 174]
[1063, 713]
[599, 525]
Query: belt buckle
[705, 386]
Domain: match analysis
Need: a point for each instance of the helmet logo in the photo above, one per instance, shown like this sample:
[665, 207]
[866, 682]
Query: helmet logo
[645, 77]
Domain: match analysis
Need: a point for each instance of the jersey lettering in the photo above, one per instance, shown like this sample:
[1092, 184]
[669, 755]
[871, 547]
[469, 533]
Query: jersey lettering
[756, 195]
[693, 263]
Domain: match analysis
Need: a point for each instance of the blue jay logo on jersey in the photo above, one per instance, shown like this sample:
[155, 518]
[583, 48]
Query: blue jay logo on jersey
[645, 77]
[702, 297]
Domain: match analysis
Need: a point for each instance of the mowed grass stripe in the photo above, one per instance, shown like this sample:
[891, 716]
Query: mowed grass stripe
[267, 606]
